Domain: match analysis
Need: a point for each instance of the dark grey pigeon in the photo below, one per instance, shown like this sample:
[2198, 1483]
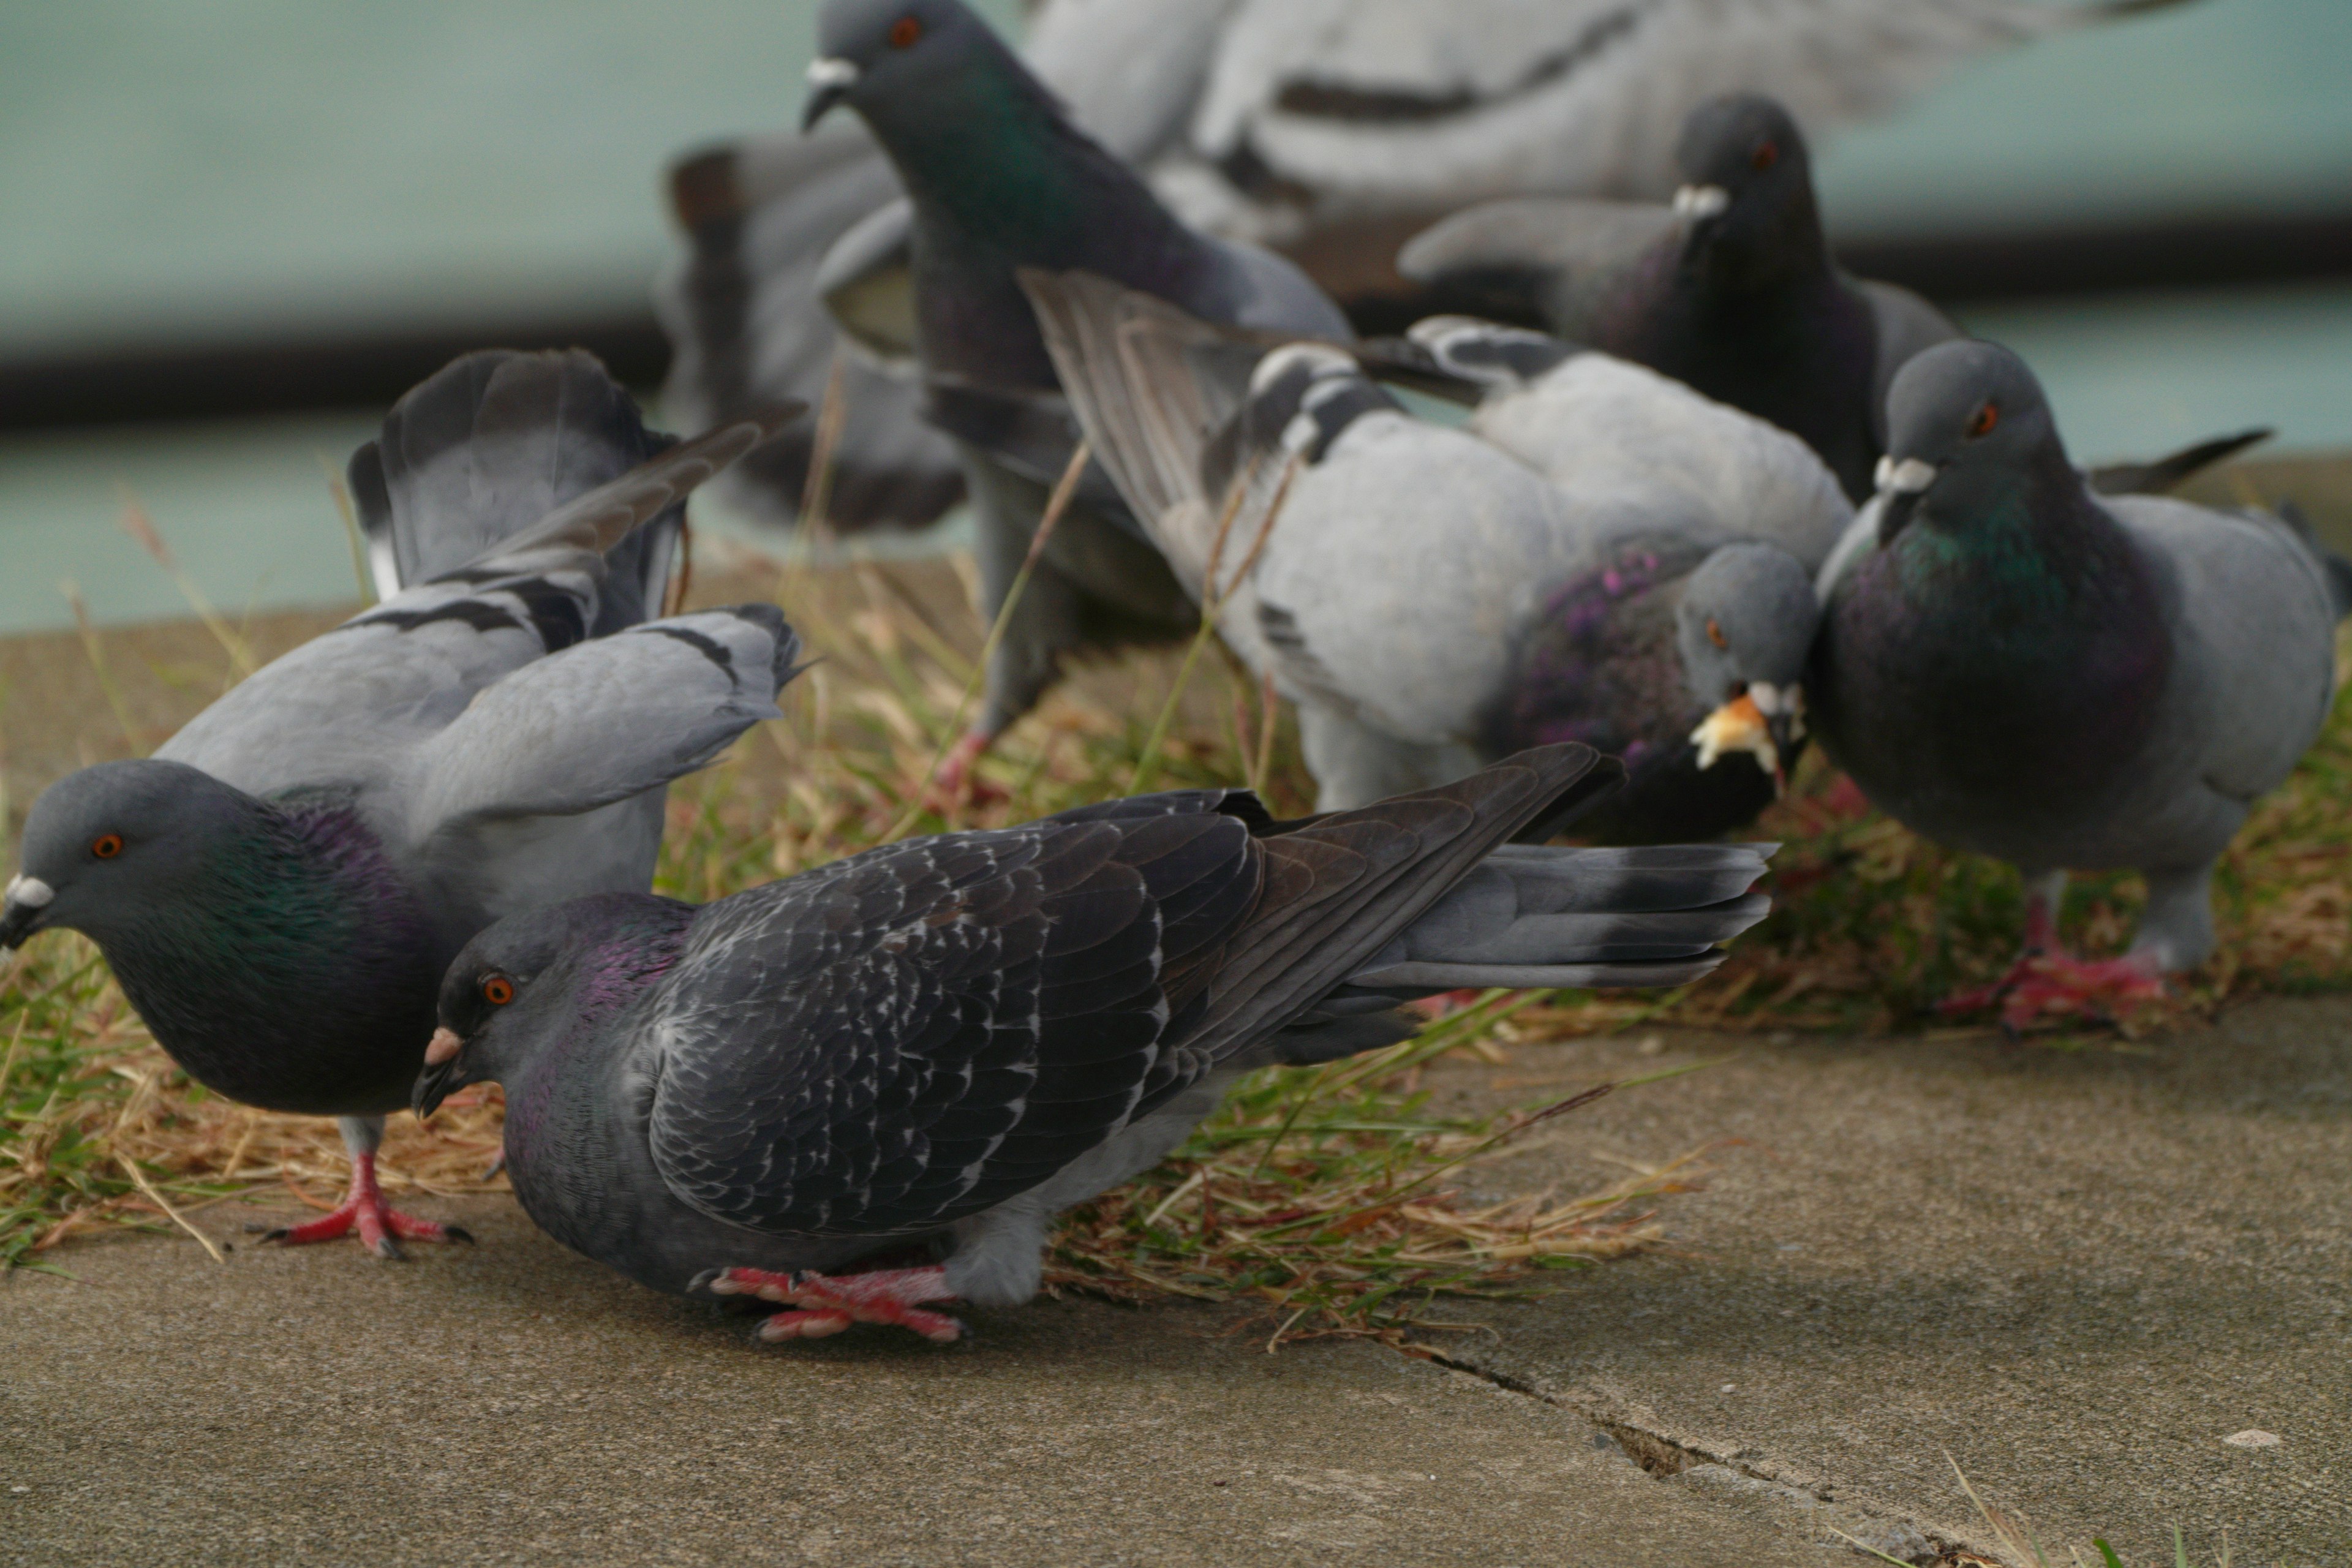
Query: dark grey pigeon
[280, 887]
[997, 178]
[1730, 288]
[1600, 556]
[945, 1042]
[2016, 666]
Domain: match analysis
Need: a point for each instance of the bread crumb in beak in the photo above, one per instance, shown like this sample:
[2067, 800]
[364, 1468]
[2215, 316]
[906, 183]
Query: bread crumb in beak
[1736, 726]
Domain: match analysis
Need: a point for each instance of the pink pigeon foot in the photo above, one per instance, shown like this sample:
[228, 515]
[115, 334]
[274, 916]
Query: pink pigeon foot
[956, 782]
[1446, 1004]
[827, 1303]
[2053, 983]
[365, 1210]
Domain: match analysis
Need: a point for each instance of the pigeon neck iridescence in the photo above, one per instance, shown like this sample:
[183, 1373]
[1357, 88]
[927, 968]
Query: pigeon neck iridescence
[2011, 654]
[1000, 180]
[292, 967]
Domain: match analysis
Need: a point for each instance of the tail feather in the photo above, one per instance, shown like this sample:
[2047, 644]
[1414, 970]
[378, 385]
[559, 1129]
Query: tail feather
[488, 446]
[2161, 476]
[1536, 916]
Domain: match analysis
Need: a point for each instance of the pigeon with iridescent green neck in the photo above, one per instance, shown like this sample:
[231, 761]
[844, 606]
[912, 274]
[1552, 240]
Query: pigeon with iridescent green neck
[281, 886]
[2012, 665]
[999, 178]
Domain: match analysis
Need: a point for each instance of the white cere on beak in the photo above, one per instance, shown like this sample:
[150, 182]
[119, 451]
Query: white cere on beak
[29, 892]
[444, 1044]
[1772, 700]
[830, 71]
[1701, 201]
[1907, 478]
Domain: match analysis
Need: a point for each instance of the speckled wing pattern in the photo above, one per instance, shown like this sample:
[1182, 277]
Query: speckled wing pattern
[924, 1030]
[920, 1032]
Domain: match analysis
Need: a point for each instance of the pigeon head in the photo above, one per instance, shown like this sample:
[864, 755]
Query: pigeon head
[1743, 629]
[537, 978]
[1748, 189]
[871, 50]
[109, 846]
[1966, 425]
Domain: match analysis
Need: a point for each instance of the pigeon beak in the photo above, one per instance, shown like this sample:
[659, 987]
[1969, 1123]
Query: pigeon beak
[20, 909]
[441, 1075]
[1900, 486]
[829, 81]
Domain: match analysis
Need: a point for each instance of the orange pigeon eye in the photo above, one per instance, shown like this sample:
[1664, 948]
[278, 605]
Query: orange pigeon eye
[107, 846]
[1714, 634]
[498, 990]
[1981, 422]
[1764, 157]
[904, 32]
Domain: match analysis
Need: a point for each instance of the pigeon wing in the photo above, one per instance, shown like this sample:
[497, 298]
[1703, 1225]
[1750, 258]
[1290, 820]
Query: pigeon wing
[1400, 107]
[353, 705]
[604, 720]
[922, 1031]
[1570, 263]
[917, 1033]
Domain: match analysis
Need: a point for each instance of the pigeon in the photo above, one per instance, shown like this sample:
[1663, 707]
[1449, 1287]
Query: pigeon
[279, 888]
[2014, 666]
[1331, 130]
[943, 1042]
[1730, 288]
[1600, 554]
[998, 178]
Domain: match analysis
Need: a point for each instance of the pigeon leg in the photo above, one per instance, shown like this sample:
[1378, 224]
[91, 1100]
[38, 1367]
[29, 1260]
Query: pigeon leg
[2048, 980]
[363, 1208]
[826, 1304]
[955, 782]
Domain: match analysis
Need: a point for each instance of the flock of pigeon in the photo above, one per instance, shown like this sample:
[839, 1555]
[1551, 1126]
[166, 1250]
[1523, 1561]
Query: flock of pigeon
[1729, 501]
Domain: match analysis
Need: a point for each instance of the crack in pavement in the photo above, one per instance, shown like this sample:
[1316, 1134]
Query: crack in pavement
[1741, 1477]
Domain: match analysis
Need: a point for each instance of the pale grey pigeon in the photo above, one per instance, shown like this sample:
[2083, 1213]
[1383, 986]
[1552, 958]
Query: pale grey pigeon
[279, 888]
[1600, 556]
[942, 1043]
[1331, 130]
[998, 179]
[2014, 666]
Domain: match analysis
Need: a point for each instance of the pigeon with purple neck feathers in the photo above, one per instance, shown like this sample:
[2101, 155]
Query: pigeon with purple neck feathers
[2012, 665]
[998, 178]
[1600, 554]
[279, 888]
[943, 1043]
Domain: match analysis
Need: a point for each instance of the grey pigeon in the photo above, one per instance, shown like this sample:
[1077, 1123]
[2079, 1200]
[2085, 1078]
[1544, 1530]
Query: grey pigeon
[1331, 130]
[1600, 556]
[944, 1042]
[279, 888]
[998, 179]
[2014, 666]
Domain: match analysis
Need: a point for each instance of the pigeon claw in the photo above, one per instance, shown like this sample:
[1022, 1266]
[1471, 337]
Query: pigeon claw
[380, 1228]
[2053, 983]
[823, 1304]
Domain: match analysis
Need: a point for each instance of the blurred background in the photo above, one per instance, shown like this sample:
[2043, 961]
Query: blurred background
[238, 228]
